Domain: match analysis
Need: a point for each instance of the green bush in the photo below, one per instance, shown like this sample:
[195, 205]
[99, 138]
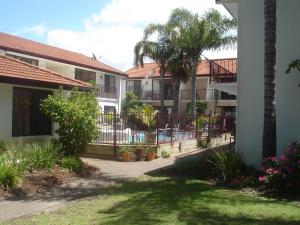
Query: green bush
[77, 115]
[165, 154]
[131, 104]
[71, 163]
[42, 156]
[200, 107]
[28, 157]
[228, 165]
[2, 147]
[8, 176]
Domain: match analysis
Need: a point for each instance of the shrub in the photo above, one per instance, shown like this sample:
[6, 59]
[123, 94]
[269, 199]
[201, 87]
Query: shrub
[77, 115]
[15, 156]
[283, 173]
[228, 165]
[131, 103]
[165, 154]
[2, 147]
[126, 149]
[28, 157]
[42, 156]
[71, 163]
[8, 176]
[200, 107]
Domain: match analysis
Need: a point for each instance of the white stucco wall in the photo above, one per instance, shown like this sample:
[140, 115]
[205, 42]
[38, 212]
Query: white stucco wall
[6, 98]
[65, 70]
[250, 80]
[6, 112]
[288, 91]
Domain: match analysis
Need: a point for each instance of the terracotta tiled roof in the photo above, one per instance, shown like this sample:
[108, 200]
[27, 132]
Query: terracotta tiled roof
[203, 69]
[15, 70]
[33, 48]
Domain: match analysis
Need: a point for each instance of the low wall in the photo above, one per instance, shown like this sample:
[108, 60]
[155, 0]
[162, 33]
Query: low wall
[99, 151]
[106, 151]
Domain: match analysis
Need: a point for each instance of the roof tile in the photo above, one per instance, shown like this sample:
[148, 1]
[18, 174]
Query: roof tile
[37, 49]
[15, 69]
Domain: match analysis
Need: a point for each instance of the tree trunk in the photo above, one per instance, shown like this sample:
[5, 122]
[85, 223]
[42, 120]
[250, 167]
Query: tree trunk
[176, 89]
[162, 90]
[194, 71]
[269, 129]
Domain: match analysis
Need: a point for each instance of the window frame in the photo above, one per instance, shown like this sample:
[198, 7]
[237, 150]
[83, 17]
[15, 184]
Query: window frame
[85, 75]
[34, 116]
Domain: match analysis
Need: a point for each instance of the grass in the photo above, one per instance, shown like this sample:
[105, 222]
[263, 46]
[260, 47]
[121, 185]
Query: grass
[165, 200]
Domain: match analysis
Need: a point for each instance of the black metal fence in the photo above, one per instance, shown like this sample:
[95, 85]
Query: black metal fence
[120, 129]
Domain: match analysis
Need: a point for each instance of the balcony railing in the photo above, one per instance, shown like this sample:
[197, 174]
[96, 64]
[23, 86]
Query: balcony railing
[154, 95]
[223, 70]
[106, 92]
[201, 94]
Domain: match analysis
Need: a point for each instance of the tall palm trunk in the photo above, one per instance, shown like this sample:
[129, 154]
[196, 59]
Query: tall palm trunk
[269, 130]
[194, 71]
[162, 90]
[176, 89]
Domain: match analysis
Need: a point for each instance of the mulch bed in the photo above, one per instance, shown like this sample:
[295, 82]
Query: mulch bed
[41, 180]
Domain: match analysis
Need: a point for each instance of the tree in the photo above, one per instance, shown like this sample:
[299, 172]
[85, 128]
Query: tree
[269, 127]
[160, 51]
[180, 70]
[195, 34]
[131, 103]
[76, 114]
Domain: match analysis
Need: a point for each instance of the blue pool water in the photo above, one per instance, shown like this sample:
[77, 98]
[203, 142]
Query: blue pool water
[162, 137]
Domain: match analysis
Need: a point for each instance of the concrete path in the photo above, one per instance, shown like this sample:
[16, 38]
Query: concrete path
[110, 173]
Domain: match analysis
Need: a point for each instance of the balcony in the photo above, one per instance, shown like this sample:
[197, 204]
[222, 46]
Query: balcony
[223, 70]
[106, 92]
[201, 94]
[153, 95]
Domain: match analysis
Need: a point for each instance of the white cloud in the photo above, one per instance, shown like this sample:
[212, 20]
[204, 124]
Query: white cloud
[113, 32]
[39, 29]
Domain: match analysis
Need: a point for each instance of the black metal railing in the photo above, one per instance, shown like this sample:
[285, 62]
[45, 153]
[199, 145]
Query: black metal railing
[155, 95]
[201, 94]
[223, 70]
[106, 92]
[120, 129]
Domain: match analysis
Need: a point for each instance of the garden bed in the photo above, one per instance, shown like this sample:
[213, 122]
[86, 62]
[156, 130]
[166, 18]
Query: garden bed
[41, 180]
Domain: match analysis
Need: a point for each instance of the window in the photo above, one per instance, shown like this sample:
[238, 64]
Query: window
[27, 119]
[134, 86]
[168, 89]
[109, 84]
[23, 59]
[85, 75]
[109, 109]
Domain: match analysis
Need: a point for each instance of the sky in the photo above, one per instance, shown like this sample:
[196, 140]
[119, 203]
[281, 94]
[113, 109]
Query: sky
[107, 28]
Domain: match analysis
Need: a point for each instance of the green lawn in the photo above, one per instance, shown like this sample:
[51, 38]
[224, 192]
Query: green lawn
[164, 200]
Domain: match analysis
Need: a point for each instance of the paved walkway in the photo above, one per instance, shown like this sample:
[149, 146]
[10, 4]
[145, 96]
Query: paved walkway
[110, 173]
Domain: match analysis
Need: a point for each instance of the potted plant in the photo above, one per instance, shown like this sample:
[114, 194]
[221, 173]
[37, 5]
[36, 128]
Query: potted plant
[151, 152]
[126, 153]
[139, 152]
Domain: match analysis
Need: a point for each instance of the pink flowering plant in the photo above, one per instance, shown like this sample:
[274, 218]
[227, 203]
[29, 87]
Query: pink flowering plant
[282, 173]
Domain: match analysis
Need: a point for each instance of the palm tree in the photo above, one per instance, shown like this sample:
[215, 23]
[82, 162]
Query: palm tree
[160, 51]
[180, 70]
[269, 130]
[195, 34]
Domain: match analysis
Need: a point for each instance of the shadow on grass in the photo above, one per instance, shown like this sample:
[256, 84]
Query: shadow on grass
[178, 200]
